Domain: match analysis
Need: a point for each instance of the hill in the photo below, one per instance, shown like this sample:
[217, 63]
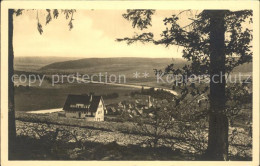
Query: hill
[117, 66]
[94, 65]
[121, 65]
[35, 63]
[113, 62]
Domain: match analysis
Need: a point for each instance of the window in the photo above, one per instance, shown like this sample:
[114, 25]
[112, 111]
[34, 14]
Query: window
[72, 106]
[79, 105]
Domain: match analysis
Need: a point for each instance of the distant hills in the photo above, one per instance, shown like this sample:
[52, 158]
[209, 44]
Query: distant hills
[118, 66]
[35, 63]
[42, 60]
[112, 62]
[94, 65]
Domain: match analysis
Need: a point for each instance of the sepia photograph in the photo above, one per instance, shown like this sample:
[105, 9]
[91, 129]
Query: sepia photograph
[125, 81]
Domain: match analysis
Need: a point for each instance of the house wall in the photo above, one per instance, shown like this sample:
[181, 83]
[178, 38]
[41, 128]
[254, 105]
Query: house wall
[99, 116]
[75, 114]
[71, 114]
[90, 118]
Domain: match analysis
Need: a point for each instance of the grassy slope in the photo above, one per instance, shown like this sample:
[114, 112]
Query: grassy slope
[36, 98]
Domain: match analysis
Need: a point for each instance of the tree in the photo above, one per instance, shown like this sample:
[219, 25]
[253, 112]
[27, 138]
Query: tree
[218, 122]
[155, 124]
[215, 42]
[11, 109]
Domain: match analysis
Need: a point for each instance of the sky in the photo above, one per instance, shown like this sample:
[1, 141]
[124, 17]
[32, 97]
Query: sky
[93, 35]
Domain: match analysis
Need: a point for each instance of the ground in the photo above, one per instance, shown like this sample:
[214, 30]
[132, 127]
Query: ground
[125, 135]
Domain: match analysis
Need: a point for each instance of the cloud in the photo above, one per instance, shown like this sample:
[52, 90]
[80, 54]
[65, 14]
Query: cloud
[93, 35]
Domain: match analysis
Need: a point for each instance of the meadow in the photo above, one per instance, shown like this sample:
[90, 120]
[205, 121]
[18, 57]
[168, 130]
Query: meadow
[37, 98]
[124, 134]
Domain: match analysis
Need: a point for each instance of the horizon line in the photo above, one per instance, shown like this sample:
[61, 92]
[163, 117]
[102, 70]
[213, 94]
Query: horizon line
[80, 57]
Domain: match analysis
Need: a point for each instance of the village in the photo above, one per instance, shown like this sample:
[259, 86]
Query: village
[140, 104]
[93, 107]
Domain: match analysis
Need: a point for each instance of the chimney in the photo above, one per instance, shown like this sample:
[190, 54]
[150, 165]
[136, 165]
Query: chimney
[149, 102]
[90, 99]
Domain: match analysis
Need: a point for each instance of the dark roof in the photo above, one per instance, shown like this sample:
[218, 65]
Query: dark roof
[94, 104]
[92, 101]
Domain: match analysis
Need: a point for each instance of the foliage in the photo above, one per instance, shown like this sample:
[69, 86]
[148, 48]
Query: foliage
[158, 94]
[195, 40]
[110, 96]
[51, 13]
[194, 37]
[140, 18]
[185, 121]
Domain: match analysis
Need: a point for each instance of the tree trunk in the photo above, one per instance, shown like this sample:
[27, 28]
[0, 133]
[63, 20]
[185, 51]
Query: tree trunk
[11, 115]
[218, 122]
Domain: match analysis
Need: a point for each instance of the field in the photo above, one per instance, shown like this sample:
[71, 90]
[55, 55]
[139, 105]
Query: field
[99, 145]
[123, 134]
[36, 98]
[122, 141]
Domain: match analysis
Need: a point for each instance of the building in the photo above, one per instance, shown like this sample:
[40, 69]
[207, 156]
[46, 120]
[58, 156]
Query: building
[89, 107]
[112, 110]
[145, 101]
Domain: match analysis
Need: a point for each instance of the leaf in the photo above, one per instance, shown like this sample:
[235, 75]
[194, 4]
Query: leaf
[39, 27]
[48, 17]
[55, 13]
[70, 24]
[18, 12]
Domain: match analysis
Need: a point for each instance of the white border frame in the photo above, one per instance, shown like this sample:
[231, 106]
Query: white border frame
[172, 5]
